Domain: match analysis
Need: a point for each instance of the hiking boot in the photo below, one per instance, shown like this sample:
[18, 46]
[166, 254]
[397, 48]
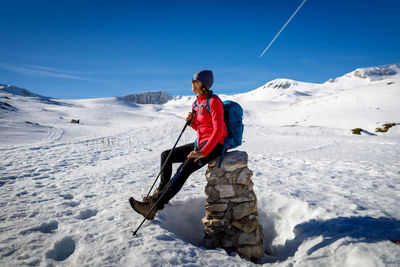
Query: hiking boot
[144, 207]
[156, 194]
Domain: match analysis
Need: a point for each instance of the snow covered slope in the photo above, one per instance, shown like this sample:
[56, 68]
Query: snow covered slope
[326, 197]
[365, 98]
[19, 91]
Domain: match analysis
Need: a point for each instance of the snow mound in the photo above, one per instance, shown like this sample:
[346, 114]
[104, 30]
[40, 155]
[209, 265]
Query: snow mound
[394, 131]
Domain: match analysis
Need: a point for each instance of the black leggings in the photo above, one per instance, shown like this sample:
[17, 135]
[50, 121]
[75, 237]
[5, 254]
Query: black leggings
[185, 169]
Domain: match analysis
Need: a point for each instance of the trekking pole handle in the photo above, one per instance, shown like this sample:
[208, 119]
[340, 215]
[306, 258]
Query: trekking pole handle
[189, 122]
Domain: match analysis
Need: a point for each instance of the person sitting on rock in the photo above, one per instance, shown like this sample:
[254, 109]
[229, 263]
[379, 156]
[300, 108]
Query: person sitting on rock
[211, 132]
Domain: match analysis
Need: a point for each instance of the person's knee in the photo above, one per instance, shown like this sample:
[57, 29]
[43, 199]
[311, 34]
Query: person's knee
[164, 155]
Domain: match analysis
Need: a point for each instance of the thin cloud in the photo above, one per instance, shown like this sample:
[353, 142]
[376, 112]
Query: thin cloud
[139, 71]
[97, 72]
[41, 71]
[44, 68]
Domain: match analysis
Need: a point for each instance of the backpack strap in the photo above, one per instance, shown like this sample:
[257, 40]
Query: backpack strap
[194, 106]
[221, 157]
[208, 104]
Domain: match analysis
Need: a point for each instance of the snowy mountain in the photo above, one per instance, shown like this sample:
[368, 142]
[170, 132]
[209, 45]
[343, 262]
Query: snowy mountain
[365, 98]
[376, 73]
[278, 90]
[359, 77]
[153, 97]
[19, 91]
[326, 197]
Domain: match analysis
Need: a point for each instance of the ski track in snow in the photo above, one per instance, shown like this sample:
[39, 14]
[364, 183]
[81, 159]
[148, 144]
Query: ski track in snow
[73, 188]
[67, 198]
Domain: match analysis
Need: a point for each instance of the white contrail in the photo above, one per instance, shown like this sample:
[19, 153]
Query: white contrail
[265, 50]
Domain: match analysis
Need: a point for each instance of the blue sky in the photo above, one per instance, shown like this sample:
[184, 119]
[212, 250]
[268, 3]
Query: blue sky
[84, 49]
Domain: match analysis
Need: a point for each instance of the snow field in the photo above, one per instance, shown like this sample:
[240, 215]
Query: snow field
[67, 198]
[325, 196]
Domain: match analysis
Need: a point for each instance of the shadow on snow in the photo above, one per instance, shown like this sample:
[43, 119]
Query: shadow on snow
[183, 218]
[360, 229]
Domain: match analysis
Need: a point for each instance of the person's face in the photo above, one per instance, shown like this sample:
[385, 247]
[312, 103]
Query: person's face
[196, 87]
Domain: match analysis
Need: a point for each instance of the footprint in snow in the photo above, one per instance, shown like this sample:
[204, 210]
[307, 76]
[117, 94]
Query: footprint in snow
[71, 204]
[86, 214]
[67, 196]
[61, 249]
[21, 193]
[45, 228]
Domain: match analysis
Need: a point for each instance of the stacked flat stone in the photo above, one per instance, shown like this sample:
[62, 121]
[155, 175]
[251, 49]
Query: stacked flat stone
[231, 220]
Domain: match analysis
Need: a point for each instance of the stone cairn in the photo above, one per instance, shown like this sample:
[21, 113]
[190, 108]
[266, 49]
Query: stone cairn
[231, 220]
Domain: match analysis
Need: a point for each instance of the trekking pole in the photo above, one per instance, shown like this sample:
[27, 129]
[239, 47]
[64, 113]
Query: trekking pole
[170, 182]
[169, 155]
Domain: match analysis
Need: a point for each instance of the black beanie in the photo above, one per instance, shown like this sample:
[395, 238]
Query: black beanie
[206, 77]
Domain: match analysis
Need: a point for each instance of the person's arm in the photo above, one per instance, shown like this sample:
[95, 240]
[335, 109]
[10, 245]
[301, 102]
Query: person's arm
[191, 116]
[217, 117]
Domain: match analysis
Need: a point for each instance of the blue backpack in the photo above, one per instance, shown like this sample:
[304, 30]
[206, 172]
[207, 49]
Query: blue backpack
[233, 117]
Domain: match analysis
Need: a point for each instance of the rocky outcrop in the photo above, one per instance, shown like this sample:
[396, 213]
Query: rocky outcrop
[376, 73]
[231, 220]
[154, 97]
[281, 83]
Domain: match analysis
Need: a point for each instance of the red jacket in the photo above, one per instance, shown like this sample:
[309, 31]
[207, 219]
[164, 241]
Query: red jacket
[210, 126]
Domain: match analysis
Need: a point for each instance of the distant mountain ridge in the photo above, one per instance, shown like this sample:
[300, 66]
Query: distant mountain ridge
[151, 97]
[273, 90]
[366, 98]
[284, 89]
[19, 91]
[7, 101]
